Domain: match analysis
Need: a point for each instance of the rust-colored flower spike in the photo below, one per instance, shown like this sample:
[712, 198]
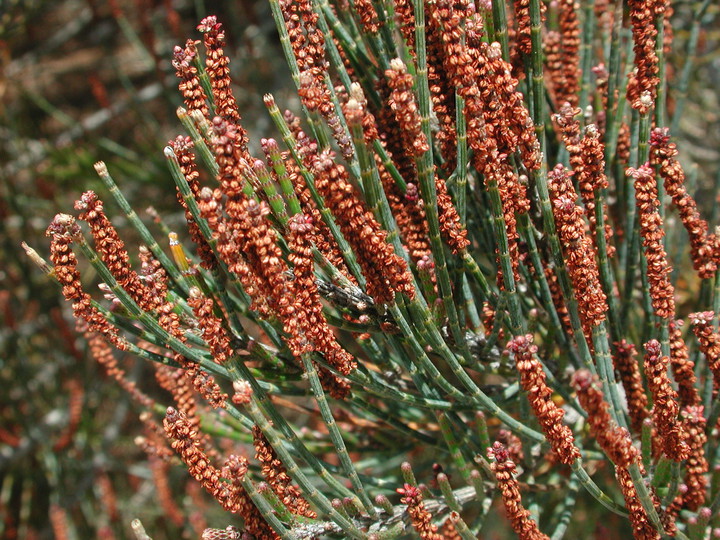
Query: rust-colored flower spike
[522, 523]
[513, 443]
[567, 119]
[337, 387]
[226, 140]
[230, 495]
[623, 144]
[643, 83]
[392, 137]
[703, 250]
[442, 91]
[228, 249]
[709, 341]
[312, 50]
[662, 292]
[591, 178]
[420, 518]
[112, 249]
[186, 443]
[577, 250]
[628, 368]
[178, 383]
[570, 40]
[313, 322]
[602, 79]
[313, 92]
[277, 477]
[613, 439]
[182, 147]
[405, 15]
[152, 272]
[641, 527]
[265, 259]
[218, 70]
[59, 522]
[558, 299]
[514, 129]
[63, 230]
[368, 16]
[665, 404]
[683, 368]
[523, 25]
[554, 72]
[189, 85]
[448, 530]
[385, 271]
[108, 496]
[203, 382]
[451, 229]
[212, 328]
[404, 107]
[550, 416]
[103, 355]
[696, 467]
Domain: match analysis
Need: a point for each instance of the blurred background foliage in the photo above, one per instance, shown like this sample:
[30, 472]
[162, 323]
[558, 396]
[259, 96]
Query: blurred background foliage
[83, 81]
[89, 80]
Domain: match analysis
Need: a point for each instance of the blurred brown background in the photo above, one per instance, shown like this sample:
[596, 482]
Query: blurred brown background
[83, 81]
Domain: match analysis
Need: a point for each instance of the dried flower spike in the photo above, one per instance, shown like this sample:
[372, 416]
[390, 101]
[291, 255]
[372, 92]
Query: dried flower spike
[577, 250]
[64, 230]
[549, 415]
[665, 405]
[703, 249]
[524, 526]
[420, 518]
[662, 292]
[613, 439]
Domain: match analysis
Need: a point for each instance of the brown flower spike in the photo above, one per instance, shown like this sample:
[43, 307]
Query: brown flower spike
[703, 246]
[64, 230]
[696, 468]
[682, 367]
[275, 474]
[524, 526]
[627, 366]
[420, 518]
[577, 250]
[230, 494]
[662, 292]
[613, 439]
[549, 415]
[189, 85]
[665, 404]
[709, 341]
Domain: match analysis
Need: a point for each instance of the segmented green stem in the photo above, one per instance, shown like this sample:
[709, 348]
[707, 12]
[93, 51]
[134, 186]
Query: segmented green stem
[335, 435]
[453, 504]
[266, 509]
[201, 147]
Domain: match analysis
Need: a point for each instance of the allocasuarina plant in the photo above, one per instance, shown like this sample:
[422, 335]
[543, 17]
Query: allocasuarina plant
[448, 288]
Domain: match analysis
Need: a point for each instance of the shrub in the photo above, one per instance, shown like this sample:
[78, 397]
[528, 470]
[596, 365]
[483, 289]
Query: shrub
[451, 284]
